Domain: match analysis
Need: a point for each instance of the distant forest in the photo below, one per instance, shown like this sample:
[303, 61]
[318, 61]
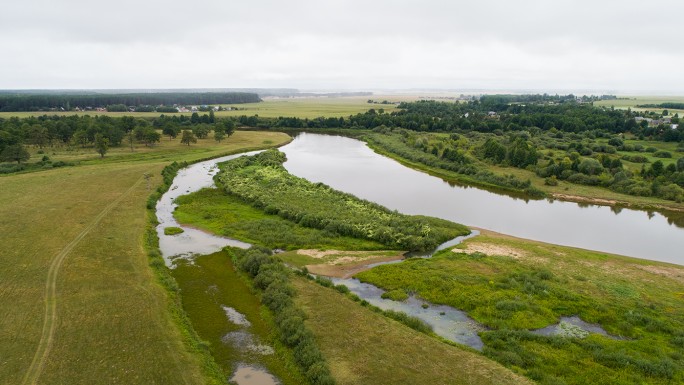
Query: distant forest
[33, 102]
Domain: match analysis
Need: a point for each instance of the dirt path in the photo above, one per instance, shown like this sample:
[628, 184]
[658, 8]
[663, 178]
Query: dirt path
[50, 321]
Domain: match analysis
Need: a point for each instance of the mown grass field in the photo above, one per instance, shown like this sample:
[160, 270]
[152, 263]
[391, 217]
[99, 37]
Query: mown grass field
[363, 347]
[512, 285]
[112, 322]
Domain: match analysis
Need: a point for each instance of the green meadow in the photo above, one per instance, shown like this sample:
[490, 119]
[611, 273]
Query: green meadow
[81, 305]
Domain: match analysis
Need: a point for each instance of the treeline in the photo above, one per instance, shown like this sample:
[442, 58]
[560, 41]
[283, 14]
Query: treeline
[271, 277]
[584, 159]
[99, 132]
[48, 131]
[30, 102]
[432, 116]
[449, 154]
[675, 106]
[489, 116]
[262, 181]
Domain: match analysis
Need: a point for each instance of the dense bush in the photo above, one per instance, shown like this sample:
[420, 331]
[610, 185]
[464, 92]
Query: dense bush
[272, 278]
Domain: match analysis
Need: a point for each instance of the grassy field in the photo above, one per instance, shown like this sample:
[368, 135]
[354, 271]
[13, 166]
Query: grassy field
[299, 107]
[512, 285]
[631, 101]
[74, 237]
[363, 347]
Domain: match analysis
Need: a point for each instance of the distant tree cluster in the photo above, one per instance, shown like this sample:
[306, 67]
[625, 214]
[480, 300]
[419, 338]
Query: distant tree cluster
[120, 102]
[100, 133]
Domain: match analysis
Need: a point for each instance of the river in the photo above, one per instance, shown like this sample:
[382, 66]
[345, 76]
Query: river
[349, 165]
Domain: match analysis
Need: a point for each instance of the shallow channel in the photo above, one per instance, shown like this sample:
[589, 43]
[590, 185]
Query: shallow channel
[192, 241]
[350, 166]
[196, 242]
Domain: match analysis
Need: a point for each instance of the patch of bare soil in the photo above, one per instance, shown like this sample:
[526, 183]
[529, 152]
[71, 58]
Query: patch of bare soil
[674, 273]
[489, 249]
[346, 266]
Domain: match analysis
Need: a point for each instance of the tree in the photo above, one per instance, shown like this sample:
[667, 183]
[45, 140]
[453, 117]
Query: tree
[101, 145]
[14, 153]
[188, 137]
[201, 131]
[131, 138]
[228, 127]
[151, 136]
[493, 150]
[522, 154]
[80, 137]
[171, 129]
[219, 134]
[38, 135]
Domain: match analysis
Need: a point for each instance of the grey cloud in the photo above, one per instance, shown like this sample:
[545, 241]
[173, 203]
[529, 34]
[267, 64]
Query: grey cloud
[397, 44]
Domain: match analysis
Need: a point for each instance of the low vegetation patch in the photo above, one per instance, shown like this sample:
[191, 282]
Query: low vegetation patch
[228, 215]
[631, 298]
[210, 284]
[173, 230]
[364, 347]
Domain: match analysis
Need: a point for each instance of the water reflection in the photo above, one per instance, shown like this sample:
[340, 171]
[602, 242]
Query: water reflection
[349, 165]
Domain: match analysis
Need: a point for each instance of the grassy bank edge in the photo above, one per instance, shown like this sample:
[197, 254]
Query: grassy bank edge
[625, 202]
[195, 345]
[444, 174]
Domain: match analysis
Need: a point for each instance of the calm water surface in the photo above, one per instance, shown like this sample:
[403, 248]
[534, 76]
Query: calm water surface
[349, 165]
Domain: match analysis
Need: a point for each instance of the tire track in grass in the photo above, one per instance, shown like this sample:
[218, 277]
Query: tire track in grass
[50, 321]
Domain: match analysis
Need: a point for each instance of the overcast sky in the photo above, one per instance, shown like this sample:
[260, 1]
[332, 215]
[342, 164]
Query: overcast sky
[550, 45]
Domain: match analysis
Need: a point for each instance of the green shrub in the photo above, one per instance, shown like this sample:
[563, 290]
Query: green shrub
[395, 295]
[173, 231]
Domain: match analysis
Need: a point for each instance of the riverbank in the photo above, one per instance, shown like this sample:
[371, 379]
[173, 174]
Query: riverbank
[564, 191]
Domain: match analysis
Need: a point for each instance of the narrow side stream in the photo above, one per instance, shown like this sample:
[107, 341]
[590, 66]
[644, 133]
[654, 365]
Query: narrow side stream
[192, 241]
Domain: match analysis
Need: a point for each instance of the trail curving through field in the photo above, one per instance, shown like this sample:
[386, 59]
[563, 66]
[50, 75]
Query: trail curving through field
[50, 321]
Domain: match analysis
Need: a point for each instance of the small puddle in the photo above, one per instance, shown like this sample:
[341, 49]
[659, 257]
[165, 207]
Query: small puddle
[245, 341]
[236, 317]
[574, 327]
[192, 241]
[446, 321]
[252, 375]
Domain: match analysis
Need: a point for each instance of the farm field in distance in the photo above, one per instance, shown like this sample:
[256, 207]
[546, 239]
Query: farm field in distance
[624, 102]
[304, 107]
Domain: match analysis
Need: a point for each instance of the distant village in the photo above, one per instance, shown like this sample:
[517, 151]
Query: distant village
[163, 109]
